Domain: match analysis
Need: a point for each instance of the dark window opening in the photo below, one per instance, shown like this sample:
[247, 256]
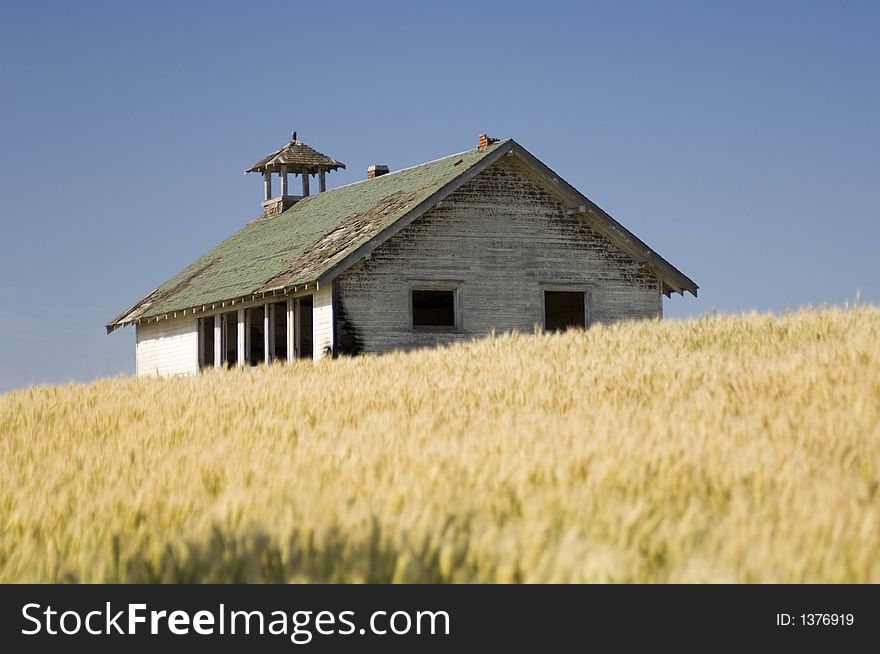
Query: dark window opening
[256, 330]
[305, 327]
[230, 338]
[433, 308]
[279, 331]
[206, 342]
[564, 310]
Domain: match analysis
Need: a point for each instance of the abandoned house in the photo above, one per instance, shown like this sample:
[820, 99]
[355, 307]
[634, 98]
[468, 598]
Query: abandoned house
[488, 239]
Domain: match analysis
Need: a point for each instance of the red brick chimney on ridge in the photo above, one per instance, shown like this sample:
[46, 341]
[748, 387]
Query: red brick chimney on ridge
[485, 142]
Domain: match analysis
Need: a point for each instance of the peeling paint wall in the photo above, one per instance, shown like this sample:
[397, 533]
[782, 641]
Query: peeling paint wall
[501, 239]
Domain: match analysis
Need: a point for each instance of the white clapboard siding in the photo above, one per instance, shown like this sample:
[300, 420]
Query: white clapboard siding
[167, 348]
[322, 321]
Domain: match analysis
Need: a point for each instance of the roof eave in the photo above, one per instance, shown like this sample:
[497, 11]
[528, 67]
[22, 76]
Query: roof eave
[276, 167]
[284, 291]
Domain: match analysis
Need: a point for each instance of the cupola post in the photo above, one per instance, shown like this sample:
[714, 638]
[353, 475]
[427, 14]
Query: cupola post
[267, 186]
[283, 175]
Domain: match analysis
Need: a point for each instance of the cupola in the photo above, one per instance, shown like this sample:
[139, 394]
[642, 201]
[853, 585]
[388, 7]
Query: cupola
[295, 158]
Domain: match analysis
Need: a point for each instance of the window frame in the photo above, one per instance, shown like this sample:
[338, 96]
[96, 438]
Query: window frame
[449, 285]
[225, 325]
[255, 328]
[586, 289]
[206, 325]
[277, 336]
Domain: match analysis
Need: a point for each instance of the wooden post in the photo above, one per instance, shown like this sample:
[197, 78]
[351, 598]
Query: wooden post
[218, 341]
[242, 351]
[322, 181]
[201, 326]
[659, 298]
[283, 175]
[267, 324]
[305, 176]
[291, 314]
[267, 185]
[296, 322]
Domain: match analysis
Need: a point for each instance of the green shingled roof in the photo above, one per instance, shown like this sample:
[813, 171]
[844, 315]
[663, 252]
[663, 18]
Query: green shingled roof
[301, 244]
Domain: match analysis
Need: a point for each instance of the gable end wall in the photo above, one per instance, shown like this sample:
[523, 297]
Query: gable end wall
[501, 239]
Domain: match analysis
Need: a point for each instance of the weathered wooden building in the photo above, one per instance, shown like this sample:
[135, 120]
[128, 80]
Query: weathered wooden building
[489, 239]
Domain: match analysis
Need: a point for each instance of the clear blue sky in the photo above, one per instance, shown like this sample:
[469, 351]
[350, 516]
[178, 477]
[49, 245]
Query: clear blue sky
[739, 140]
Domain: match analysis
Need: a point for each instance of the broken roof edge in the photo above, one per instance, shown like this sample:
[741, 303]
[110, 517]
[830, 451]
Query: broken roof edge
[122, 319]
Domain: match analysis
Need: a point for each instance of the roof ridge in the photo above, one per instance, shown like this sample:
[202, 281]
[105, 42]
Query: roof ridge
[413, 167]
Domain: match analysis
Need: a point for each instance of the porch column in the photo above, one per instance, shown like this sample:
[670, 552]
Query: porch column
[218, 341]
[267, 341]
[291, 322]
[242, 333]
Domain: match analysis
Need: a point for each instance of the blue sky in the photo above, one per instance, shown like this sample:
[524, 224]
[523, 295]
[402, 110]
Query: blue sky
[739, 140]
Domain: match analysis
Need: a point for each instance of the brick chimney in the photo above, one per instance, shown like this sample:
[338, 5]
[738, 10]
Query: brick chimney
[485, 141]
[377, 170]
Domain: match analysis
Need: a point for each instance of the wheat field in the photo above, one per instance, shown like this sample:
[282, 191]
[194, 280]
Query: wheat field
[723, 449]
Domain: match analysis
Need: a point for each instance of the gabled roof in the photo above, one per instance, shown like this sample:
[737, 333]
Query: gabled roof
[296, 156]
[322, 235]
